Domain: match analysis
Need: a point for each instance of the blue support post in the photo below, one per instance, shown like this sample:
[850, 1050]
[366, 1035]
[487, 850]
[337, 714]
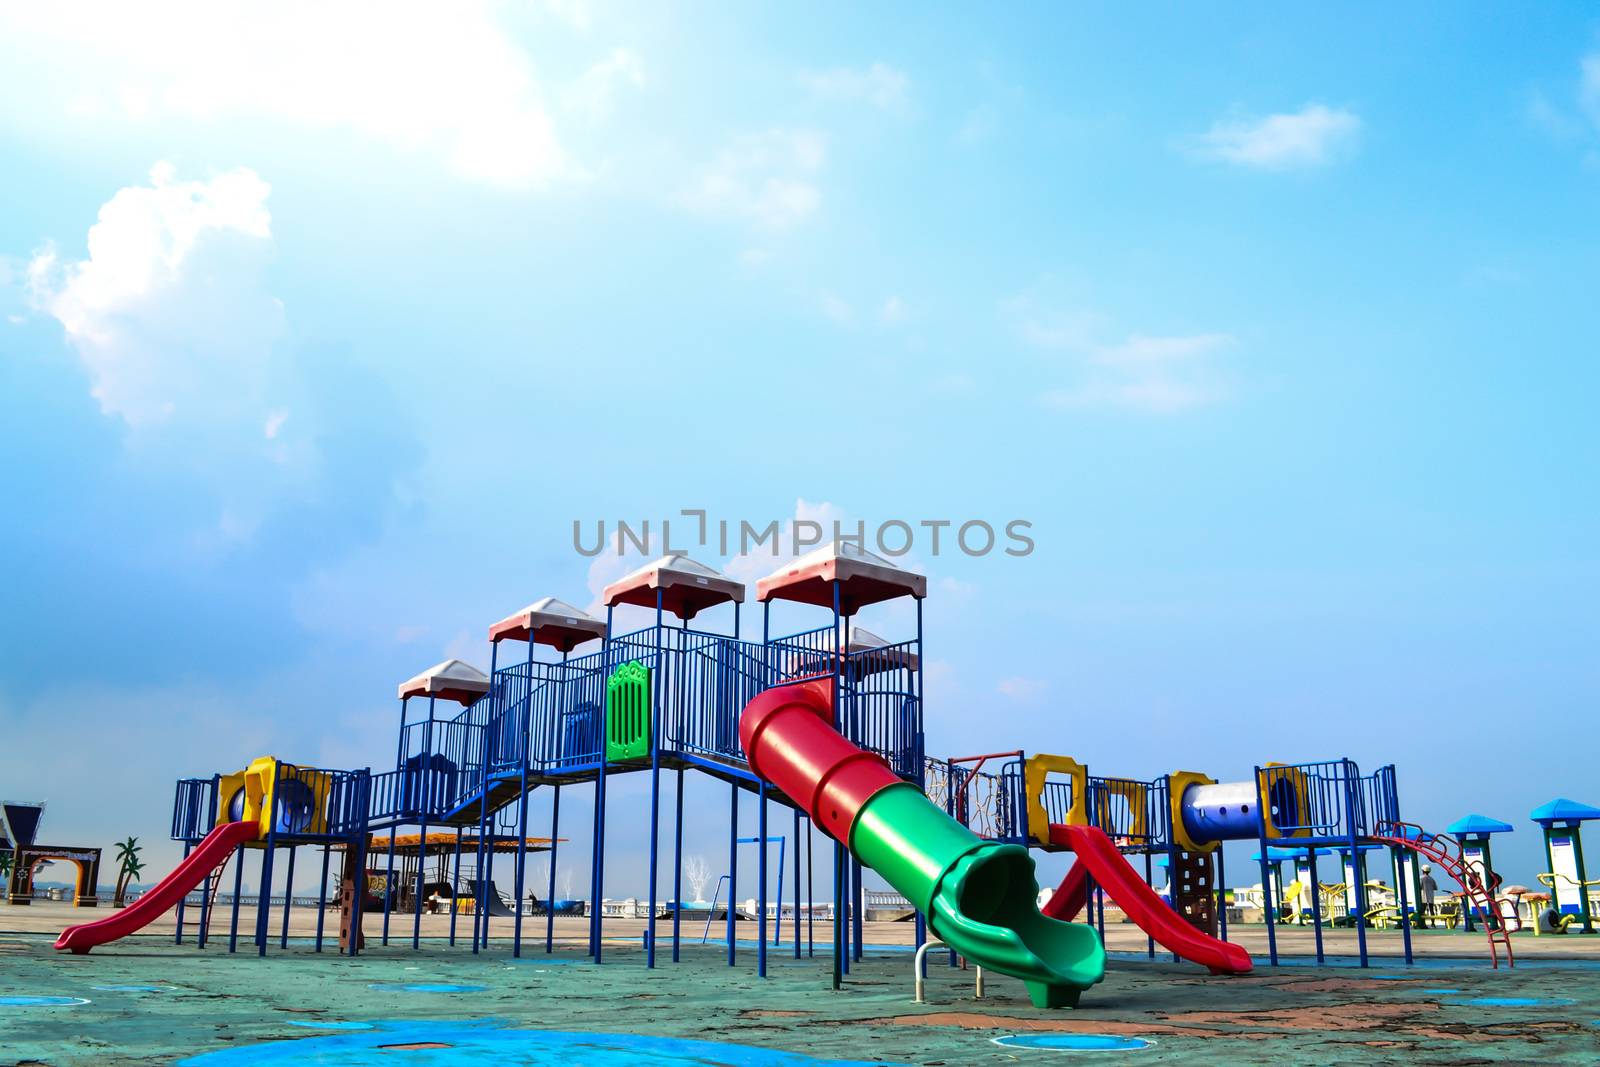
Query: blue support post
[455, 888]
[524, 732]
[480, 905]
[761, 882]
[733, 869]
[840, 854]
[288, 898]
[677, 871]
[597, 855]
[359, 875]
[208, 897]
[1355, 822]
[178, 937]
[1400, 899]
[322, 894]
[550, 901]
[238, 887]
[425, 790]
[388, 886]
[264, 894]
[811, 895]
[1222, 895]
[1149, 880]
[796, 883]
[655, 786]
[1314, 881]
[1268, 906]
[920, 921]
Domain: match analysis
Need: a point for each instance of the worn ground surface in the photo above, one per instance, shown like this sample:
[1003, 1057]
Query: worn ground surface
[184, 1003]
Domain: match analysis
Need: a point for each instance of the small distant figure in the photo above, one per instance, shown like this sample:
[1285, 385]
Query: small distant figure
[1428, 888]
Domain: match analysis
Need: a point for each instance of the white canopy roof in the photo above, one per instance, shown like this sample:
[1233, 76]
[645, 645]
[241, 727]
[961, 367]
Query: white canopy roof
[864, 578]
[687, 587]
[450, 680]
[549, 621]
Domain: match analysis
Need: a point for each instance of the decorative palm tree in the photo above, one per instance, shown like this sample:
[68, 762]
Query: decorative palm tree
[129, 867]
[5, 866]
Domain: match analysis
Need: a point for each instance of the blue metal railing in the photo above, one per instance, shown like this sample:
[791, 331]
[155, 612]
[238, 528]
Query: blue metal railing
[550, 716]
[1330, 799]
[1131, 812]
[879, 705]
[194, 809]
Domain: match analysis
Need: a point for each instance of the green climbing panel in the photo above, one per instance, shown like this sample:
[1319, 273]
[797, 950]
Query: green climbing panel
[628, 712]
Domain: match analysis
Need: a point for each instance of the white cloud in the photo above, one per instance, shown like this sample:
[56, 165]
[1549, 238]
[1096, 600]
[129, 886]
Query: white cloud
[1589, 87]
[837, 309]
[1021, 688]
[1155, 375]
[593, 96]
[811, 517]
[956, 590]
[892, 311]
[767, 179]
[1310, 137]
[880, 85]
[421, 78]
[169, 312]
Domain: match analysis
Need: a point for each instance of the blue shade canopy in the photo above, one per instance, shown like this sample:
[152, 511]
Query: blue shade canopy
[1479, 826]
[19, 822]
[1563, 810]
[1277, 855]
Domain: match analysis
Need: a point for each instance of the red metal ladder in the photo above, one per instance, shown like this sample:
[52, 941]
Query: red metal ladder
[1446, 852]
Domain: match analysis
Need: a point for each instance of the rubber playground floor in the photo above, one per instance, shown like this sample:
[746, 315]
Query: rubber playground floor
[145, 1000]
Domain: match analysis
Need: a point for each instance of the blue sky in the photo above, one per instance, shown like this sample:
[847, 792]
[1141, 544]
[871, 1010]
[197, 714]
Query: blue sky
[317, 330]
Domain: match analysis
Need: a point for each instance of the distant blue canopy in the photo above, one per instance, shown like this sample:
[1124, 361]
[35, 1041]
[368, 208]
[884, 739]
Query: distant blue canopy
[1563, 810]
[1479, 826]
[1277, 855]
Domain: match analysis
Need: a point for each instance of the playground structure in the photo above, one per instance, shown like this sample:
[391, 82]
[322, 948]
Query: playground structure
[19, 830]
[827, 722]
[1568, 880]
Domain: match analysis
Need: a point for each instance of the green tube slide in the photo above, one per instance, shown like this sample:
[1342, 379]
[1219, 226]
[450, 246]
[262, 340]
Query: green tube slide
[981, 897]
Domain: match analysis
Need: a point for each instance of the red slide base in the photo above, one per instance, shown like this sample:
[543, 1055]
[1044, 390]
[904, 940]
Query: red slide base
[158, 901]
[1098, 857]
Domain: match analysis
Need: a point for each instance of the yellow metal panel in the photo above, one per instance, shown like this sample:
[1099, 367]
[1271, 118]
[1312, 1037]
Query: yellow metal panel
[1033, 785]
[1177, 784]
[228, 785]
[1302, 790]
[1135, 793]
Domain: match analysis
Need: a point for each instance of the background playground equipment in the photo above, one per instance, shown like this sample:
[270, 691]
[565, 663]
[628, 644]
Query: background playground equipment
[668, 697]
[1474, 832]
[1567, 878]
[19, 830]
[1305, 808]
[268, 805]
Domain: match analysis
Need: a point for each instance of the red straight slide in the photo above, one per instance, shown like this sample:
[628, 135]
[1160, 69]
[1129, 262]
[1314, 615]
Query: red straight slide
[1098, 857]
[171, 889]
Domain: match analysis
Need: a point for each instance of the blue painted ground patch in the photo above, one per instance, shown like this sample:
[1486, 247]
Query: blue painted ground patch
[1075, 1042]
[1439, 992]
[42, 1002]
[1515, 1002]
[425, 987]
[490, 1044]
[312, 1024]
